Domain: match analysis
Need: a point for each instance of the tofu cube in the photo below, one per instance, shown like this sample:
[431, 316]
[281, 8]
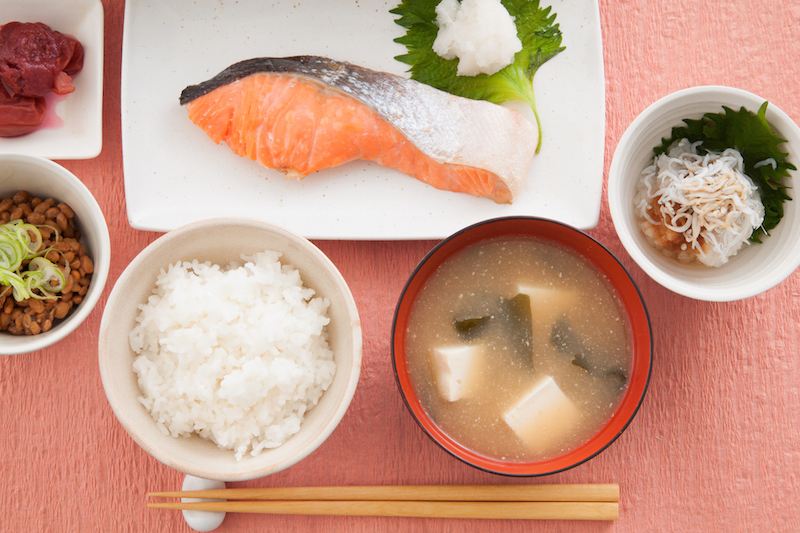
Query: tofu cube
[544, 416]
[547, 303]
[455, 370]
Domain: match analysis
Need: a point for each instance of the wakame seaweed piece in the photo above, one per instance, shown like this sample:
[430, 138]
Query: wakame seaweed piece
[564, 339]
[567, 342]
[520, 325]
[475, 313]
[619, 375]
[580, 362]
[469, 328]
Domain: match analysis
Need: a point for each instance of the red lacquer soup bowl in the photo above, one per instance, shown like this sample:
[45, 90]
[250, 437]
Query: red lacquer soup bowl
[632, 309]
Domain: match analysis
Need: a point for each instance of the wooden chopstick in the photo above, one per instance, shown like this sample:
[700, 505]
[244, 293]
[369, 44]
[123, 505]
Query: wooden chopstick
[423, 509]
[608, 492]
[543, 502]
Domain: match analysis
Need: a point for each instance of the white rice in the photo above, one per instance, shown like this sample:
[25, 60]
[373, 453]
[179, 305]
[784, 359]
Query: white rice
[235, 355]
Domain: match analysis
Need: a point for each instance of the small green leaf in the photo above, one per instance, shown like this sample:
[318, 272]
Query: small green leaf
[536, 29]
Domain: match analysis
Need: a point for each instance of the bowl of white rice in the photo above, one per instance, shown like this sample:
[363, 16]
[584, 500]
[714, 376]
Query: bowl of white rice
[230, 349]
[708, 195]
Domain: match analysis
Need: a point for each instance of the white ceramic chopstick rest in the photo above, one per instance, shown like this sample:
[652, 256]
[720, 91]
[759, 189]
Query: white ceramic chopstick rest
[202, 520]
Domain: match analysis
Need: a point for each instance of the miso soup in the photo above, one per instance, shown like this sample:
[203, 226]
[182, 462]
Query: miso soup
[518, 349]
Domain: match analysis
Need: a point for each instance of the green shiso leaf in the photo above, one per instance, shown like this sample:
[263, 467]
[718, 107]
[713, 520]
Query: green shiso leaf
[752, 136]
[536, 29]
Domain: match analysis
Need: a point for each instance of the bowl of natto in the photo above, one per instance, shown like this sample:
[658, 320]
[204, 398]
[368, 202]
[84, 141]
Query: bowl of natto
[28, 185]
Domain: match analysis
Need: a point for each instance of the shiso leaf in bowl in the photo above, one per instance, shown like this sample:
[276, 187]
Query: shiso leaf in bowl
[750, 134]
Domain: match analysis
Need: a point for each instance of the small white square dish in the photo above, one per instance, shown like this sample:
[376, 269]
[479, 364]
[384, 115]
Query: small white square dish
[73, 125]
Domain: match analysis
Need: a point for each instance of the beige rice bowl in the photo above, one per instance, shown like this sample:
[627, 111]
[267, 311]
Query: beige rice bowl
[237, 355]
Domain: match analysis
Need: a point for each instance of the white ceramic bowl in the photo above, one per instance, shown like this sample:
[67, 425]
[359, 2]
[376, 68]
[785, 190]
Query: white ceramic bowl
[756, 267]
[46, 179]
[222, 241]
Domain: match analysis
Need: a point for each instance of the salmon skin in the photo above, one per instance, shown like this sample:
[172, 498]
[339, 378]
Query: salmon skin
[307, 113]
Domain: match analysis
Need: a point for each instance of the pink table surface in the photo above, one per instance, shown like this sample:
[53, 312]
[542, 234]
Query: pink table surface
[715, 446]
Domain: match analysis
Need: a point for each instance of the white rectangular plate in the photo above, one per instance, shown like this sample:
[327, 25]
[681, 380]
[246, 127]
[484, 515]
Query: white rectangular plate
[73, 127]
[174, 174]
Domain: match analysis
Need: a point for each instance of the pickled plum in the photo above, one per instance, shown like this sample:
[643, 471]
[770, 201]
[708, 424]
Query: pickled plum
[34, 60]
[19, 114]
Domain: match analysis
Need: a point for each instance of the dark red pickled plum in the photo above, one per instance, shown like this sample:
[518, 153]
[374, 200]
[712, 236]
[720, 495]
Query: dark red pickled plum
[19, 114]
[35, 60]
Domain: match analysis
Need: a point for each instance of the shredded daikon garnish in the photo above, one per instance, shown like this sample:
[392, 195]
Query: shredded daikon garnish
[705, 198]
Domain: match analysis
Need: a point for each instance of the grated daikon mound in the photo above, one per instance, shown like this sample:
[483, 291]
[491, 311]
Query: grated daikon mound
[480, 33]
[235, 355]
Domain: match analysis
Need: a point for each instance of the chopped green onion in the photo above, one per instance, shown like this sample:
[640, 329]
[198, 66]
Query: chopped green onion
[47, 271]
[10, 254]
[20, 242]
